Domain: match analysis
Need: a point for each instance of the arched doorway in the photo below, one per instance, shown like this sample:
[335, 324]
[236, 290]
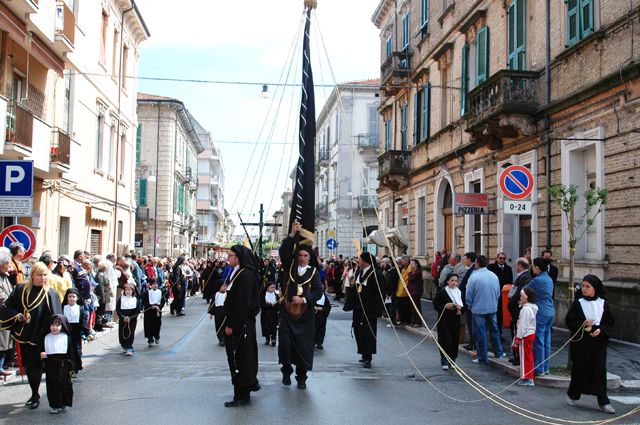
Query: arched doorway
[447, 218]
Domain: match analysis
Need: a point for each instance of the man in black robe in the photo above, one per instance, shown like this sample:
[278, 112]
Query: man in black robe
[240, 308]
[368, 293]
[297, 319]
[322, 309]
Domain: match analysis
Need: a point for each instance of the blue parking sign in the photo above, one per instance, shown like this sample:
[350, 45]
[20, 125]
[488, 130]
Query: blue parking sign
[16, 188]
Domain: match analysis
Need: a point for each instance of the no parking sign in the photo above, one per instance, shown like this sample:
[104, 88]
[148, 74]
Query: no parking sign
[22, 234]
[516, 182]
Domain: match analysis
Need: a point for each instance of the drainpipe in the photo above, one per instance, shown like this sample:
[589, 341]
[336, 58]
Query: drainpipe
[547, 120]
[117, 176]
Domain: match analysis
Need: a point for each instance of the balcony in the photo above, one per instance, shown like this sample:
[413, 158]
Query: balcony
[23, 7]
[368, 202]
[394, 169]
[60, 151]
[142, 214]
[65, 28]
[19, 130]
[367, 141]
[502, 107]
[395, 71]
[323, 157]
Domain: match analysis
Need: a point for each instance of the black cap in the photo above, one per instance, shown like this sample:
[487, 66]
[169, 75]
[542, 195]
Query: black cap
[46, 259]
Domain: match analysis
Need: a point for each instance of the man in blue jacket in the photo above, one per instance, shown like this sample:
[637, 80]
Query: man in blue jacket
[483, 291]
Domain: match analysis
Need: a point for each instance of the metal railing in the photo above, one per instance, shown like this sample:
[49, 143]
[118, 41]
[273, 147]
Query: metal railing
[61, 147]
[394, 162]
[19, 125]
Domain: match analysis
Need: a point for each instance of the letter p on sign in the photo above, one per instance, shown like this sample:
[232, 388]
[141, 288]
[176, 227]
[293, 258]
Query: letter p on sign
[13, 174]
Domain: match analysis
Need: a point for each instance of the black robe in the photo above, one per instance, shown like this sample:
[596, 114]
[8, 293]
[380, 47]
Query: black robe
[152, 317]
[127, 331]
[57, 368]
[77, 331]
[240, 308]
[588, 354]
[268, 317]
[297, 335]
[368, 305]
[448, 325]
[321, 320]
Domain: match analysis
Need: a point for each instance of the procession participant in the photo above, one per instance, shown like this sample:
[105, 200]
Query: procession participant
[27, 312]
[297, 322]
[152, 303]
[216, 310]
[369, 294]
[322, 309]
[241, 307]
[589, 352]
[448, 303]
[269, 314]
[178, 287]
[128, 311]
[78, 320]
[56, 351]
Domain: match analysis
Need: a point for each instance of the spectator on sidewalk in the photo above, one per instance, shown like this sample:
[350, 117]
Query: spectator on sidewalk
[543, 286]
[403, 304]
[505, 277]
[483, 291]
[525, 336]
[589, 352]
[6, 343]
[17, 253]
[523, 277]
[454, 266]
[416, 287]
[469, 261]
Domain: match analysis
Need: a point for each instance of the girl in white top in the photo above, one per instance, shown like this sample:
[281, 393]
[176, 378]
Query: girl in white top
[526, 335]
[56, 352]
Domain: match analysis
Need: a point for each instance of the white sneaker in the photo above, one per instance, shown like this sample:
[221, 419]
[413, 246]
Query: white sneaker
[570, 401]
[444, 367]
[476, 361]
[150, 344]
[607, 408]
[390, 325]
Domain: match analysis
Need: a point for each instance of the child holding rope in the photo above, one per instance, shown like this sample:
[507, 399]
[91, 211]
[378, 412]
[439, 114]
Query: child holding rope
[526, 335]
[78, 323]
[216, 310]
[128, 310]
[448, 303]
[152, 302]
[56, 351]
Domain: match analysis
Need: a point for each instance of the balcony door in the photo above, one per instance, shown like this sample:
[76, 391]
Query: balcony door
[447, 215]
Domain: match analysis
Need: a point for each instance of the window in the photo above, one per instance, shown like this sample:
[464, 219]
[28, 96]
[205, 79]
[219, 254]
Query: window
[387, 134]
[405, 31]
[421, 222]
[63, 239]
[389, 48]
[387, 217]
[580, 21]
[482, 63]
[115, 52]
[404, 111]
[464, 79]
[103, 38]
[99, 141]
[66, 111]
[142, 193]
[112, 151]
[120, 230]
[373, 128]
[517, 34]
[96, 242]
[426, 112]
[125, 56]
[366, 183]
[444, 97]
[416, 118]
[123, 157]
[424, 18]
[138, 143]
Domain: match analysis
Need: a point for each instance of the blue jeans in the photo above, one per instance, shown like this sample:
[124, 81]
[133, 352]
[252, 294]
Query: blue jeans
[480, 324]
[542, 344]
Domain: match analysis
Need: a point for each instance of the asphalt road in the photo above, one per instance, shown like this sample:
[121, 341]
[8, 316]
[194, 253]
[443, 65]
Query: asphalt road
[185, 380]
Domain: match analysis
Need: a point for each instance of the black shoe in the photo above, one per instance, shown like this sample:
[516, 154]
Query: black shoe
[221, 343]
[286, 380]
[266, 342]
[367, 364]
[361, 361]
[319, 347]
[273, 343]
[469, 347]
[237, 403]
[30, 402]
[256, 387]
[180, 314]
[302, 385]
[35, 404]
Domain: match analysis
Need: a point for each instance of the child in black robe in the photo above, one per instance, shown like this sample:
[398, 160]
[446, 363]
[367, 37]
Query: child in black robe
[322, 309]
[448, 303]
[128, 310]
[269, 314]
[56, 350]
[152, 303]
[72, 307]
[216, 310]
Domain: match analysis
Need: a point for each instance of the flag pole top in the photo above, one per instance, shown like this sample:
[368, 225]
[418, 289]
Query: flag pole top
[312, 4]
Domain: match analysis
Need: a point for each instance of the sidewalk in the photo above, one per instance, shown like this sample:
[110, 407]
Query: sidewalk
[623, 358]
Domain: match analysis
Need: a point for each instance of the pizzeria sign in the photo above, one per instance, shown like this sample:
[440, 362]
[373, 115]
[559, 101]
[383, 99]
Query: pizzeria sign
[471, 203]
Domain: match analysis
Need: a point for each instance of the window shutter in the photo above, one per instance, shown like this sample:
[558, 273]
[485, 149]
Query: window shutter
[511, 14]
[416, 118]
[521, 31]
[142, 193]
[403, 126]
[388, 47]
[573, 30]
[464, 84]
[138, 143]
[426, 113]
[483, 54]
[586, 18]
[424, 18]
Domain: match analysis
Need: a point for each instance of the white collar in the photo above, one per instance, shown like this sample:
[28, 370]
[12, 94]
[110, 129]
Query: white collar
[302, 270]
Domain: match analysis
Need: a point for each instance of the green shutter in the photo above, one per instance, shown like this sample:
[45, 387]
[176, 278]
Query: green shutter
[511, 35]
[138, 143]
[573, 22]
[483, 54]
[142, 193]
[516, 34]
[586, 18]
[464, 83]
[426, 112]
[416, 118]
[387, 134]
[403, 127]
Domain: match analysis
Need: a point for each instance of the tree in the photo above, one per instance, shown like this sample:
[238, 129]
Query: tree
[567, 197]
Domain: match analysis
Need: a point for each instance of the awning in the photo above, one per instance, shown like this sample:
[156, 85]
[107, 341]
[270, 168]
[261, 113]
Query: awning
[398, 236]
[377, 237]
[98, 214]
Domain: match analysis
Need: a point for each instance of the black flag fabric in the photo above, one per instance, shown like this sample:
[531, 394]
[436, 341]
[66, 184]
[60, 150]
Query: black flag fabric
[303, 203]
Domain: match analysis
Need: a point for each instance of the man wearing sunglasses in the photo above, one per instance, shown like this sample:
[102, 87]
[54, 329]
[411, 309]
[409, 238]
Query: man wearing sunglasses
[505, 276]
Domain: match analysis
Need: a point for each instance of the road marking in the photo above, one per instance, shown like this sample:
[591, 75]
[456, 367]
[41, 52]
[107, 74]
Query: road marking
[626, 399]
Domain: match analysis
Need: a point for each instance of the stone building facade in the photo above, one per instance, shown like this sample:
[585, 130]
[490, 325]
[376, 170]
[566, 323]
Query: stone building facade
[470, 87]
[167, 177]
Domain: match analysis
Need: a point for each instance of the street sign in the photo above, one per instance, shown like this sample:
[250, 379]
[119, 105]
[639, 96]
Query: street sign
[471, 203]
[332, 243]
[16, 188]
[518, 207]
[516, 182]
[332, 233]
[22, 234]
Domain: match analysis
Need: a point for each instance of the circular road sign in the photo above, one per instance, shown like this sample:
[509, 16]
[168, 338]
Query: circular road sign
[332, 243]
[516, 182]
[22, 234]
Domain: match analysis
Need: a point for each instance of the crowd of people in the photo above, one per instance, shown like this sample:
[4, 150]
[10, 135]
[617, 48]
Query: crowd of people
[48, 307]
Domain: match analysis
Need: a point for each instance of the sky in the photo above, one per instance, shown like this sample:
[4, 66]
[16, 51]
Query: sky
[236, 47]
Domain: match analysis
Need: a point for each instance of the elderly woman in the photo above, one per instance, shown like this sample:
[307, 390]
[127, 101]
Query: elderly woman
[6, 343]
[589, 351]
[27, 313]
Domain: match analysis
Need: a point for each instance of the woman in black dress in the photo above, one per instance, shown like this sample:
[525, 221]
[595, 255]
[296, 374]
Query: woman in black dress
[448, 303]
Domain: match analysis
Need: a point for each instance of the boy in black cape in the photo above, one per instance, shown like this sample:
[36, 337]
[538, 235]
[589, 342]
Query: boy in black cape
[322, 309]
[152, 303]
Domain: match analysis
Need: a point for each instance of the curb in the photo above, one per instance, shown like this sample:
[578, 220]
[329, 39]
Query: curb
[553, 381]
